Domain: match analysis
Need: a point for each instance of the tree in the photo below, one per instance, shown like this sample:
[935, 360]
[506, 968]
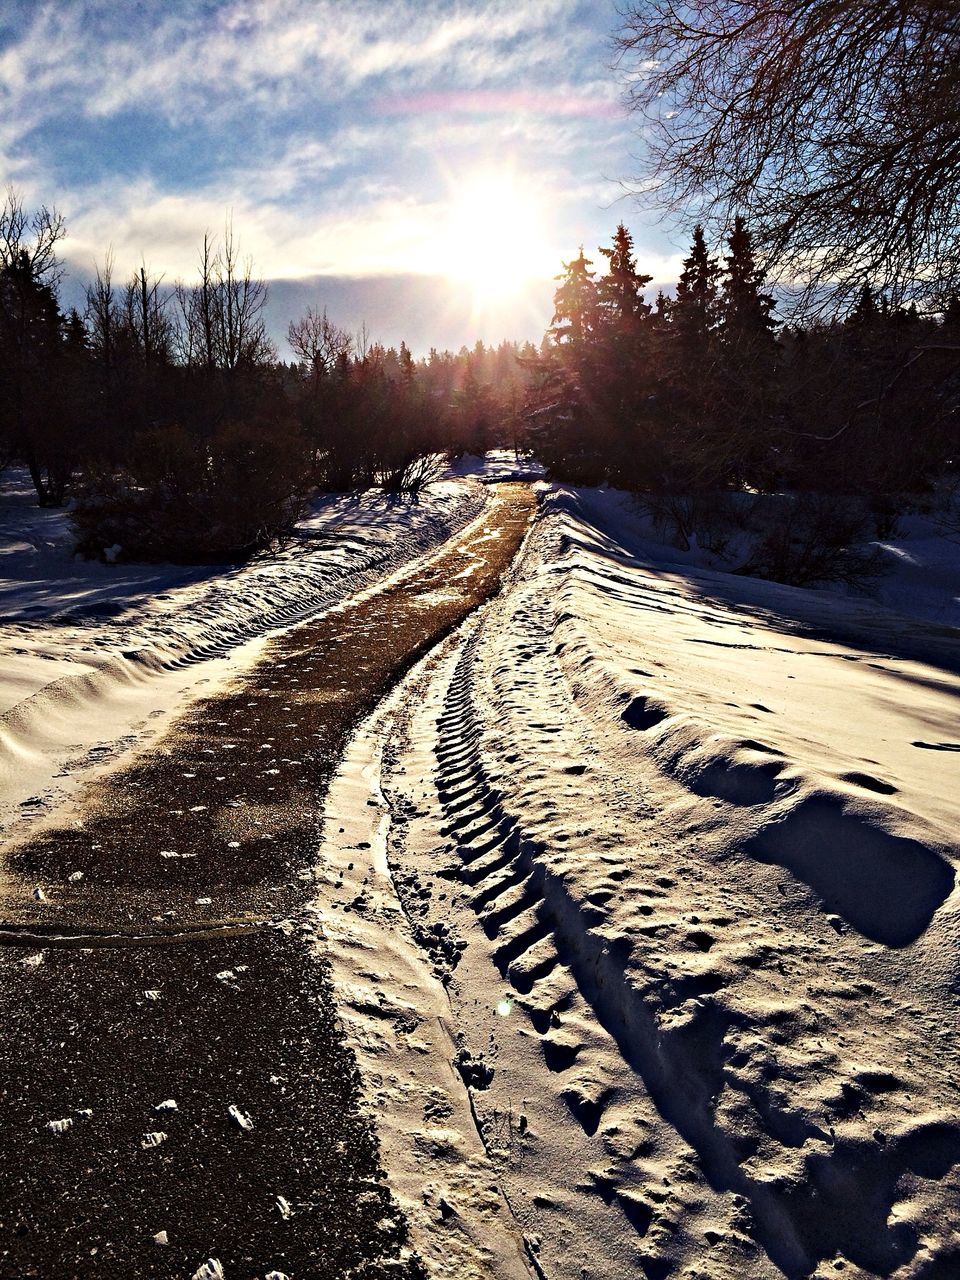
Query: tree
[833, 127]
[223, 326]
[864, 313]
[747, 362]
[319, 344]
[30, 337]
[29, 240]
[38, 420]
[747, 323]
[148, 328]
[575, 304]
[565, 422]
[695, 311]
[620, 291]
[103, 315]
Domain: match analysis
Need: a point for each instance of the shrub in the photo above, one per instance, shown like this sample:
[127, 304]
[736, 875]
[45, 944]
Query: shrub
[809, 538]
[710, 517]
[190, 500]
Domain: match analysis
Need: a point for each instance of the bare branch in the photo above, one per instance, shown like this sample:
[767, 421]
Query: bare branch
[834, 127]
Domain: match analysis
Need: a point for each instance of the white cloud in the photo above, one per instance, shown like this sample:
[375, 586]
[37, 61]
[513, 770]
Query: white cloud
[337, 134]
[277, 53]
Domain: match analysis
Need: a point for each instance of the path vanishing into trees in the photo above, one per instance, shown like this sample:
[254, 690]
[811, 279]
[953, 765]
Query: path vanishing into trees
[174, 1084]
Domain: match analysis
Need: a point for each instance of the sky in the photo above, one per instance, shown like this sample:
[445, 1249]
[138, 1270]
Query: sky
[420, 167]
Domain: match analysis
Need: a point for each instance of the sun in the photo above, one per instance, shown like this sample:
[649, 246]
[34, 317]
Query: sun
[493, 238]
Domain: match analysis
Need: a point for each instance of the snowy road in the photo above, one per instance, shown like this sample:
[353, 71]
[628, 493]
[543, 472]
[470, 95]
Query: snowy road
[175, 1087]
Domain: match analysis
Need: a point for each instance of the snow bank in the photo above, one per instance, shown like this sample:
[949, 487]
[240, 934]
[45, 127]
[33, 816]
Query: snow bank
[919, 566]
[699, 834]
[90, 652]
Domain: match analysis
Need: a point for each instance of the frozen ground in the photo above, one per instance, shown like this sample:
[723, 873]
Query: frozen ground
[681, 849]
[639, 890]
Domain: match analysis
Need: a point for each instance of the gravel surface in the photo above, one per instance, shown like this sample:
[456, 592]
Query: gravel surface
[153, 956]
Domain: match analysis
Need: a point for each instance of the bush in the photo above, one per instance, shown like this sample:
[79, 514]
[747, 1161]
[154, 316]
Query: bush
[190, 500]
[809, 538]
[414, 475]
[710, 518]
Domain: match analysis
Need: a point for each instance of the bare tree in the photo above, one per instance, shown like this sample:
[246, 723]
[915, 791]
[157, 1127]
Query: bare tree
[147, 321]
[319, 344]
[242, 333]
[198, 305]
[833, 127]
[31, 239]
[103, 313]
[223, 325]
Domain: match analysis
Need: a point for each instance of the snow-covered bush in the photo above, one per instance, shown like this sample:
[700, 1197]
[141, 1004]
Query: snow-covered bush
[808, 538]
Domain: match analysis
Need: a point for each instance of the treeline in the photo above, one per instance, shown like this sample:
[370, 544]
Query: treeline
[704, 405]
[166, 419]
[164, 416]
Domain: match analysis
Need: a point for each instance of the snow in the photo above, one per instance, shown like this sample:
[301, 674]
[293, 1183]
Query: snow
[920, 566]
[94, 658]
[685, 844]
[497, 464]
[639, 891]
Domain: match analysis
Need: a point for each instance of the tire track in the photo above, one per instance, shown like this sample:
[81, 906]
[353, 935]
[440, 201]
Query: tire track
[558, 953]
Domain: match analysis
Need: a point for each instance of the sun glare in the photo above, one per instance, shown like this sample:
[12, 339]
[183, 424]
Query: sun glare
[494, 238]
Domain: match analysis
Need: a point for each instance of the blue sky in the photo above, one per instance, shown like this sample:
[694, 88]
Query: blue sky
[351, 143]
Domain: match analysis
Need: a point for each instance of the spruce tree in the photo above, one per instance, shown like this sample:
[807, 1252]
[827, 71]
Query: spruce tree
[623, 365]
[864, 311]
[694, 312]
[575, 303]
[746, 318]
[747, 363]
[620, 291]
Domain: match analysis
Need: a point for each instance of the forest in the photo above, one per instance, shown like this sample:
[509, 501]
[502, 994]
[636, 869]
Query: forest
[165, 418]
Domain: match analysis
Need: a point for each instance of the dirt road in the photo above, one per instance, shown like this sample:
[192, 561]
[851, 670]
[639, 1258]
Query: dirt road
[174, 1084]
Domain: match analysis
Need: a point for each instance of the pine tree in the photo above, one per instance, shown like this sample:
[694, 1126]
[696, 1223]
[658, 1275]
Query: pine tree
[747, 361]
[695, 311]
[746, 318]
[620, 291]
[865, 310]
[575, 304]
[407, 367]
[31, 351]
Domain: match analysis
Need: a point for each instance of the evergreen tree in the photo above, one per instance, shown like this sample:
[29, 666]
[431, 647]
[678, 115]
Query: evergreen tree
[620, 291]
[695, 311]
[746, 309]
[747, 360]
[32, 423]
[864, 311]
[407, 369]
[624, 366]
[575, 304]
